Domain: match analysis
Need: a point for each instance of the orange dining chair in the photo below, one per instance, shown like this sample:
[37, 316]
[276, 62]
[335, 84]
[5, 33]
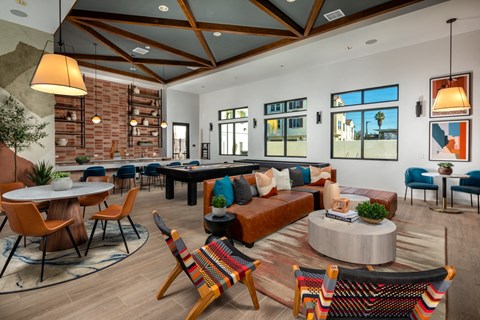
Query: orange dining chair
[26, 221]
[116, 212]
[94, 199]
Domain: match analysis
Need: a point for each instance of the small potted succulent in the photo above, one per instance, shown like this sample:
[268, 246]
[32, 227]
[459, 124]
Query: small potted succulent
[445, 168]
[371, 212]
[61, 181]
[82, 159]
[219, 204]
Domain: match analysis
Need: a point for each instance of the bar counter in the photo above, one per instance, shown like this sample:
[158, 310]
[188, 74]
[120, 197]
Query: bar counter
[114, 163]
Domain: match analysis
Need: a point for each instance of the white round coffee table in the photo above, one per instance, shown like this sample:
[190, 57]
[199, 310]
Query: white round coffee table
[357, 242]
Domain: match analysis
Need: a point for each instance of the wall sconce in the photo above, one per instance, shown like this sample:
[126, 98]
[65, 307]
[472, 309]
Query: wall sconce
[211, 126]
[418, 109]
[319, 117]
[254, 122]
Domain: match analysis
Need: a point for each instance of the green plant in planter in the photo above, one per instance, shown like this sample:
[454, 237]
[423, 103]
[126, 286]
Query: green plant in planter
[373, 211]
[219, 201]
[82, 159]
[60, 174]
[445, 164]
[41, 173]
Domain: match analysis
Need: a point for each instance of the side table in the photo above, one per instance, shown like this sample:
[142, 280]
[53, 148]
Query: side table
[219, 226]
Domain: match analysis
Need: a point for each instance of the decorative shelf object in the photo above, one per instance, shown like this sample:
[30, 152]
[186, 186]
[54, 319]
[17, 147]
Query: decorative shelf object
[70, 120]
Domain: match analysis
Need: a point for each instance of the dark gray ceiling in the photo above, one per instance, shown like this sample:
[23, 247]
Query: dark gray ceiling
[181, 40]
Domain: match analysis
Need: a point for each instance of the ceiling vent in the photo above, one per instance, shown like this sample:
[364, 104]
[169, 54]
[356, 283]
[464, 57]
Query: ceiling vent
[140, 50]
[334, 15]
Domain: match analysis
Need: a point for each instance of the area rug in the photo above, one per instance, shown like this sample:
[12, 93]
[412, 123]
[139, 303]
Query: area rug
[23, 271]
[419, 247]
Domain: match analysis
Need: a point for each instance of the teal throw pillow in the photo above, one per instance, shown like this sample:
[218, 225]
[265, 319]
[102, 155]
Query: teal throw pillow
[224, 186]
[305, 173]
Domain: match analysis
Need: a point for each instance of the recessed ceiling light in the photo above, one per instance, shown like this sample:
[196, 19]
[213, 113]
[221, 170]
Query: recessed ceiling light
[217, 34]
[147, 47]
[371, 41]
[21, 2]
[193, 68]
[348, 47]
[133, 69]
[291, 0]
[18, 13]
[163, 8]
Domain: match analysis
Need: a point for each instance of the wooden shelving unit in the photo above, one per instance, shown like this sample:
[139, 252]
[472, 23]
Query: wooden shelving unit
[144, 106]
[68, 125]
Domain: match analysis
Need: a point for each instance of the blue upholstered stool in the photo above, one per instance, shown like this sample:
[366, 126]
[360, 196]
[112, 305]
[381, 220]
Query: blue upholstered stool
[126, 172]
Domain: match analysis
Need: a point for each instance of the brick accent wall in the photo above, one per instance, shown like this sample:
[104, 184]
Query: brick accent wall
[112, 107]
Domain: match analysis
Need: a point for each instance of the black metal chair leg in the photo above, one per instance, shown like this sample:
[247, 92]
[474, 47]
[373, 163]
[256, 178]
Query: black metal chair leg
[411, 196]
[451, 198]
[44, 240]
[478, 203]
[104, 229]
[133, 226]
[436, 197]
[84, 211]
[471, 200]
[3, 223]
[11, 254]
[123, 236]
[73, 241]
[121, 188]
[91, 236]
[424, 195]
[105, 203]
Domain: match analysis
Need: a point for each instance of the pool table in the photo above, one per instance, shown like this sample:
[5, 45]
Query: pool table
[194, 174]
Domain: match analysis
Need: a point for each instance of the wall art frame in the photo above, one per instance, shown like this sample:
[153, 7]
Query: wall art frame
[449, 140]
[458, 80]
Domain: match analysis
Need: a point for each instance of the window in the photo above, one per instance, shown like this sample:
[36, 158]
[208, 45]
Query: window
[229, 114]
[365, 96]
[366, 134]
[286, 106]
[234, 138]
[286, 140]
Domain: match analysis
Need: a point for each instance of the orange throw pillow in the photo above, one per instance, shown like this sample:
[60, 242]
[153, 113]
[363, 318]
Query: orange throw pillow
[318, 176]
[266, 184]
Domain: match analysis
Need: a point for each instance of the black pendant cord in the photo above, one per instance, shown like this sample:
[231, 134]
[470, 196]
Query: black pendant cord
[451, 21]
[60, 41]
[95, 80]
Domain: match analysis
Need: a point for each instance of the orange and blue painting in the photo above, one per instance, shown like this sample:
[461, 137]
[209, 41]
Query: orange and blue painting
[450, 140]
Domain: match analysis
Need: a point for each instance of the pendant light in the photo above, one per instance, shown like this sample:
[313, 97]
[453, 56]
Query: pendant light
[133, 121]
[57, 73]
[96, 118]
[163, 123]
[451, 98]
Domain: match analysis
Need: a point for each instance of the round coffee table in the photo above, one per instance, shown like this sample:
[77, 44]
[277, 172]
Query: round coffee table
[357, 242]
[218, 226]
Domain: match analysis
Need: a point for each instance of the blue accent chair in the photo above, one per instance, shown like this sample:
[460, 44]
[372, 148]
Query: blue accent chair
[469, 185]
[151, 174]
[193, 163]
[126, 172]
[176, 163]
[415, 180]
[96, 171]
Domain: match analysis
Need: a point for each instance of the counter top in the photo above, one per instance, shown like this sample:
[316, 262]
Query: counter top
[113, 164]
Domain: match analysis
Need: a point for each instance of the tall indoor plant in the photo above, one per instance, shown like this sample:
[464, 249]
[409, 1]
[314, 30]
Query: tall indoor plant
[17, 130]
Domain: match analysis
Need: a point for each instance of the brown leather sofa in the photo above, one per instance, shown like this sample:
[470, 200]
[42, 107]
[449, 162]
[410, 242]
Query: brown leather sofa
[261, 216]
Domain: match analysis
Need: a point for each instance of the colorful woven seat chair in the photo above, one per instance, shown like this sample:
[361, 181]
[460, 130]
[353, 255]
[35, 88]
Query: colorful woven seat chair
[212, 269]
[339, 293]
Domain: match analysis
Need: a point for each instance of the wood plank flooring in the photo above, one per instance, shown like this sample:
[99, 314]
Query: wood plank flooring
[127, 290]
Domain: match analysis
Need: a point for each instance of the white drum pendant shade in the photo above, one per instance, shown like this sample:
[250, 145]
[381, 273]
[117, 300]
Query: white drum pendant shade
[451, 99]
[58, 74]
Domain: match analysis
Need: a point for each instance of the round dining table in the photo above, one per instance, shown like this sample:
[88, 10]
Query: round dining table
[444, 177]
[64, 205]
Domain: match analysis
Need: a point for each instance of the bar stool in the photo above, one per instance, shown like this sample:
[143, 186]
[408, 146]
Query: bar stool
[96, 171]
[152, 175]
[126, 172]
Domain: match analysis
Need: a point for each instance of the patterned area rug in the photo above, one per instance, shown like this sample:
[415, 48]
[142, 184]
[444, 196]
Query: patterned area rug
[23, 271]
[419, 247]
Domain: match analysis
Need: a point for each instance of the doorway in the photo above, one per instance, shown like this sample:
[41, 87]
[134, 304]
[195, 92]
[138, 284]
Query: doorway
[181, 140]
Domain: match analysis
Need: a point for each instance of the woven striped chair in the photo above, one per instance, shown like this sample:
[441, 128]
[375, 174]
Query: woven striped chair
[212, 269]
[339, 293]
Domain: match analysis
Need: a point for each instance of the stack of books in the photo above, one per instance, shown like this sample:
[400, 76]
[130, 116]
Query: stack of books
[349, 216]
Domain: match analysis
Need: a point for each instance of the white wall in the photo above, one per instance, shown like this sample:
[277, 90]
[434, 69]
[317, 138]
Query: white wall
[183, 107]
[410, 67]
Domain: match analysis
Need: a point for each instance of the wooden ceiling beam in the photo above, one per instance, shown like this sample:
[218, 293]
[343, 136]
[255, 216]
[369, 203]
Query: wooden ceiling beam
[236, 29]
[316, 8]
[187, 11]
[115, 71]
[139, 60]
[274, 12]
[145, 41]
[150, 72]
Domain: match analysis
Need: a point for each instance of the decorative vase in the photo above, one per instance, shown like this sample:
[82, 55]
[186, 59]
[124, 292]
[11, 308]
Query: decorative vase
[445, 171]
[136, 90]
[136, 111]
[219, 212]
[331, 191]
[62, 184]
[145, 122]
[62, 142]
[372, 221]
[73, 115]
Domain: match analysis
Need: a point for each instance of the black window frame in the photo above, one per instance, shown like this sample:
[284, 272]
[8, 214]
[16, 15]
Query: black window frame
[234, 136]
[286, 127]
[284, 104]
[362, 95]
[234, 112]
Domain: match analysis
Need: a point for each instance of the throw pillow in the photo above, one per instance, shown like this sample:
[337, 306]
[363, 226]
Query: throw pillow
[266, 184]
[297, 177]
[320, 175]
[305, 173]
[282, 178]
[242, 191]
[224, 186]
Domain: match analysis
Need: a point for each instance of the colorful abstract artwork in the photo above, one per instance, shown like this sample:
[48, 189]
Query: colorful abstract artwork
[450, 140]
[458, 80]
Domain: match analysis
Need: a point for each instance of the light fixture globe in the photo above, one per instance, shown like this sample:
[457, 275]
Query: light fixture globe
[58, 74]
[163, 124]
[96, 119]
[133, 122]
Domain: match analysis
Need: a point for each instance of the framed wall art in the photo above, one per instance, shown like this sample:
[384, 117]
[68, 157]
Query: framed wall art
[450, 140]
[463, 80]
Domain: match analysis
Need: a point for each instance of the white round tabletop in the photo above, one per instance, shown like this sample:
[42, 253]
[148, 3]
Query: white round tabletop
[453, 175]
[42, 193]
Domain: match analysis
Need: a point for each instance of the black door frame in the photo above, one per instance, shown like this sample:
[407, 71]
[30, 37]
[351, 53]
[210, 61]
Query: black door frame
[187, 141]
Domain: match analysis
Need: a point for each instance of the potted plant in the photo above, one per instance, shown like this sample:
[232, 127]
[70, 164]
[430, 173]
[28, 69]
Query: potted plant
[82, 159]
[371, 212]
[41, 173]
[445, 168]
[61, 181]
[219, 204]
